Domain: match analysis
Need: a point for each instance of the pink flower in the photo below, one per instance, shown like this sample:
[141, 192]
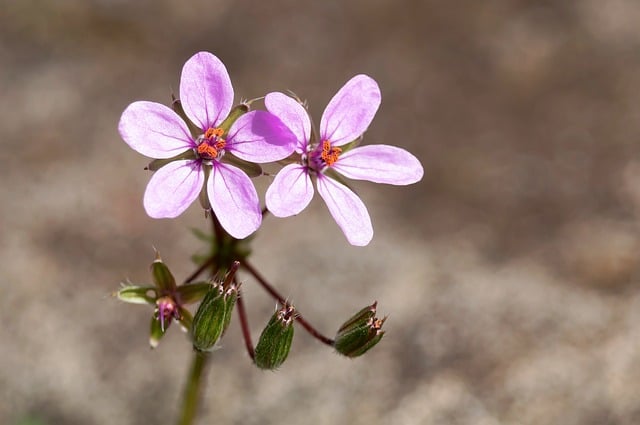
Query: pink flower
[345, 119]
[156, 131]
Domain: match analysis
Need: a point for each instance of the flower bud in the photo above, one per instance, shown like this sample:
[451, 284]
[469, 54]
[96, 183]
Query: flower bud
[213, 316]
[209, 319]
[275, 341]
[361, 332]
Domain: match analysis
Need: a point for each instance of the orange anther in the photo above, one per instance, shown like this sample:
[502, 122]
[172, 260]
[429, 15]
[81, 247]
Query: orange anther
[330, 154]
[206, 150]
[213, 132]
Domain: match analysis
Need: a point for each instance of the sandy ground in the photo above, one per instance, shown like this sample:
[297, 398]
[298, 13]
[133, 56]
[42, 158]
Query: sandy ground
[509, 274]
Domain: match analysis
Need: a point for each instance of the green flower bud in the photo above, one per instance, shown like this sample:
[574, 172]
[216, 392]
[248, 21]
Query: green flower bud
[213, 316]
[209, 320]
[360, 333]
[275, 341]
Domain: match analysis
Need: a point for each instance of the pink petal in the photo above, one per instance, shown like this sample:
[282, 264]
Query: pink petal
[347, 210]
[206, 92]
[380, 164]
[154, 130]
[173, 188]
[260, 136]
[234, 200]
[293, 115]
[290, 192]
[351, 110]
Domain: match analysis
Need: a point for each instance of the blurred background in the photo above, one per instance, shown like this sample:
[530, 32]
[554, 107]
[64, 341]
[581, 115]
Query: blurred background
[509, 274]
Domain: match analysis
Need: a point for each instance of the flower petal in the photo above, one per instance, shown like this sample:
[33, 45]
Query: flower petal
[173, 188]
[350, 111]
[154, 130]
[234, 200]
[206, 92]
[260, 136]
[380, 164]
[347, 210]
[293, 115]
[290, 192]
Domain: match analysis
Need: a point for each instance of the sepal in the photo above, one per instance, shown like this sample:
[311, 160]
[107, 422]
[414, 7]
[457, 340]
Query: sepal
[156, 164]
[236, 112]
[176, 105]
[156, 332]
[250, 168]
[192, 292]
[137, 294]
[162, 276]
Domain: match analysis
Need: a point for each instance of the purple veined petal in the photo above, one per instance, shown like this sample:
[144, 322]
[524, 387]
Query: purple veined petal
[173, 188]
[350, 111]
[206, 92]
[260, 136]
[380, 164]
[234, 200]
[290, 192]
[154, 130]
[347, 210]
[293, 115]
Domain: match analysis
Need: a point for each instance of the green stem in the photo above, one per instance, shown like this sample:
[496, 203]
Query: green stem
[193, 388]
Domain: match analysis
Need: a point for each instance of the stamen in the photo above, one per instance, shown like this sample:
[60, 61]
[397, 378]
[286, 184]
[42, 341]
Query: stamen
[330, 154]
[206, 150]
[213, 132]
[212, 143]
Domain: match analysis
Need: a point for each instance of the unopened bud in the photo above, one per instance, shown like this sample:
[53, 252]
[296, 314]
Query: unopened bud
[360, 333]
[213, 316]
[209, 320]
[275, 341]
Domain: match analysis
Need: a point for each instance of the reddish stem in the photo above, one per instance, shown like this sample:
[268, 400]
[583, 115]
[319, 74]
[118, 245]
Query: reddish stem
[275, 294]
[244, 324]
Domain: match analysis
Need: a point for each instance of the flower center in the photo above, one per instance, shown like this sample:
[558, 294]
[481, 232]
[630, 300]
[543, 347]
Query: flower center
[324, 157]
[329, 153]
[211, 143]
[167, 309]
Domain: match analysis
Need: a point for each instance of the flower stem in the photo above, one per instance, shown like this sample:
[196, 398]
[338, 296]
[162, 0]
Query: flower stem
[244, 324]
[193, 388]
[275, 294]
[209, 263]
